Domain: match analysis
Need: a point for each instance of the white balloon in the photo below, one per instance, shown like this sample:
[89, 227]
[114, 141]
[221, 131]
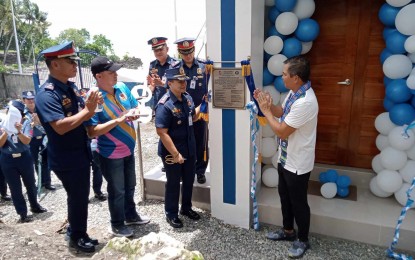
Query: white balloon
[275, 160]
[276, 64]
[399, 140]
[376, 164]
[275, 94]
[273, 45]
[402, 197]
[383, 123]
[267, 131]
[263, 169]
[145, 96]
[405, 19]
[412, 72]
[304, 9]
[408, 171]
[269, 147]
[397, 66]
[283, 97]
[410, 81]
[411, 153]
[410, 44]
[267, 161]
[393, 159]
[398, 3]
[328, 190]
[145, 114]
[306, 47]
[389, 181]
[376, 190]
[382, 142]
[270, 177]
[269, 2]
[411, 56]
[286, 23]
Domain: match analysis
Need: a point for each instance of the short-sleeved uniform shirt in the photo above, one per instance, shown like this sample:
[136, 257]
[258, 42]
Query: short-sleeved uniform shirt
[119, 142]
[176, 116]
[196, 85]
[13, 143]
[161, 71]
[55, 101]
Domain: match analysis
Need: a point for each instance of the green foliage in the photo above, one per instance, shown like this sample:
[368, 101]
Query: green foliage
[80, 37]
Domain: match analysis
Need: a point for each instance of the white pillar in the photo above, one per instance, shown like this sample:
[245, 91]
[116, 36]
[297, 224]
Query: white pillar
[235, 30]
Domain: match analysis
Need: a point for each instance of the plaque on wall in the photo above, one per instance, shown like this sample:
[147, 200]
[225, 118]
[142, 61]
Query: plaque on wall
[228, 88]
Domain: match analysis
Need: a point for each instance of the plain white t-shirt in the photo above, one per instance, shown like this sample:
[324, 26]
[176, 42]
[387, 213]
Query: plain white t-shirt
[302, 142]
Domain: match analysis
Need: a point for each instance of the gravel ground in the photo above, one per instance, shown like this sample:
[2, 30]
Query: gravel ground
[214, 239]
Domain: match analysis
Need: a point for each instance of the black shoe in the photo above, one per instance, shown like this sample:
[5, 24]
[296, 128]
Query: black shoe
[190, 214]
[175, 222]
[82, 245]
[6, 197]
[101, 196]
[25, 219]
[38, 209]
[91, 240]
[49, 187]
[201, 178]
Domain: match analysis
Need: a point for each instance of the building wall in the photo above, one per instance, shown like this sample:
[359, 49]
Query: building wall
[12, 85]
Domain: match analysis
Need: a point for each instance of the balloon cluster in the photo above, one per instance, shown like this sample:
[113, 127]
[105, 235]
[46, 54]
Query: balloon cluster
[291, 33]
[395, 165]
[333, 184]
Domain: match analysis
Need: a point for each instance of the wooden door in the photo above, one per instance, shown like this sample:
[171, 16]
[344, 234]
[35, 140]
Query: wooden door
[348, 47]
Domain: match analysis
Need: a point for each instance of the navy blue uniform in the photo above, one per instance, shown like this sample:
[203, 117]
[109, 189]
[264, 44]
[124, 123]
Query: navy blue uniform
[196, 87]
[174, 115]
[159, 91]
[16, 163]
[36, 146]
[68, 154]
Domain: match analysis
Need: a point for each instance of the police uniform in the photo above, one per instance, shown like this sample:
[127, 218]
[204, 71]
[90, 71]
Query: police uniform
[68, 155]
[16, 163]
[176, 116]
[196, 87]
[36, 146]
[159, 69]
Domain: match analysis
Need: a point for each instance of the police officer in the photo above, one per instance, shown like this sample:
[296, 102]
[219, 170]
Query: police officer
[62, 113]
[175, 114]
[156, 77]
[16, 163]
[196, 87]
[36, 144]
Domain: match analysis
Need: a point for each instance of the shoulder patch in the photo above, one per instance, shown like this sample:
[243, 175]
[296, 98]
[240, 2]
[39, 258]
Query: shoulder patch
[50, 86]
[163, 99]
[201, 61]
[175, 63]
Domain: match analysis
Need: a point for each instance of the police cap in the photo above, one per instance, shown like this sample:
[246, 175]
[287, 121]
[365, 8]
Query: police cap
[176, 73]
[157, 42]
[64, 50]
[185, 45]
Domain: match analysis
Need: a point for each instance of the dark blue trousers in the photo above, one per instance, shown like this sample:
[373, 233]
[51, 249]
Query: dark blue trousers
[76, 184]
[3, 184]
[14, 169]
[35, 147]
[175, 173]
[96, 173]
[200, 128]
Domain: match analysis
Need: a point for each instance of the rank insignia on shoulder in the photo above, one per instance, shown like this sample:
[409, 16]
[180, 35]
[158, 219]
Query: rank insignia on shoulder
[175, 63]
[50, 86]
[163, 99]
[189, 103]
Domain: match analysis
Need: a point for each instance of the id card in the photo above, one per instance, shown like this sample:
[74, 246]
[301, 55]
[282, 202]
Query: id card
[193, 84]
[190, 120]
[14, 139]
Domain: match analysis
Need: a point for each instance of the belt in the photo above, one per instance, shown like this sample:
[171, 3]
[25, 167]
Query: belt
[16, 155]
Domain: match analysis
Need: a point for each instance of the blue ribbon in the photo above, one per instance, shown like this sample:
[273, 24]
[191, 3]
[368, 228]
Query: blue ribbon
[253, 109]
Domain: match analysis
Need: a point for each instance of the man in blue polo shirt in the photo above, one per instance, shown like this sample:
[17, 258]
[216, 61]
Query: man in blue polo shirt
[62, 112]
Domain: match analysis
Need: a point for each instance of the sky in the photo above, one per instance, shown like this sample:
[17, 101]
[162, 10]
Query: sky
[129, 24]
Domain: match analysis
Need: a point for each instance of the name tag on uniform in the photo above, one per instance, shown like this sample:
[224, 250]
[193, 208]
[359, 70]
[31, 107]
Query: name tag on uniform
[190, 120]
[14, 139]
[193, 84]
[164, 79]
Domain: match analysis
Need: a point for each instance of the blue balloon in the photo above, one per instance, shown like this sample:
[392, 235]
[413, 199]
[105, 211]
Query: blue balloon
[331, 175]
[343, 181]
[413, 101]
[397, 91]
[401, 114]
[395, 42]
[285, 5]
[292, 47]
[307, 30]
[387, 31]
[387, 104]
[387, 14]
[322, 177]
[386, 81]
[279, 84]
[343, 191]
[273, 14]
[384, 55]
[267, 77]
[272, 31]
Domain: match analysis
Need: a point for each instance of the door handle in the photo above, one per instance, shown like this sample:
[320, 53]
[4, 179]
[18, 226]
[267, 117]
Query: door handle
[346, 82]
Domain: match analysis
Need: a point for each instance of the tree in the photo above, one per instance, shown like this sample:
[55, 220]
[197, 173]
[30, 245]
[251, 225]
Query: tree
[80, 37]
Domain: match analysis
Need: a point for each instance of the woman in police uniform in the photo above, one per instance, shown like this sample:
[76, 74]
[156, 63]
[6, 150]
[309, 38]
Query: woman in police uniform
[175, 114]
[16, 163]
